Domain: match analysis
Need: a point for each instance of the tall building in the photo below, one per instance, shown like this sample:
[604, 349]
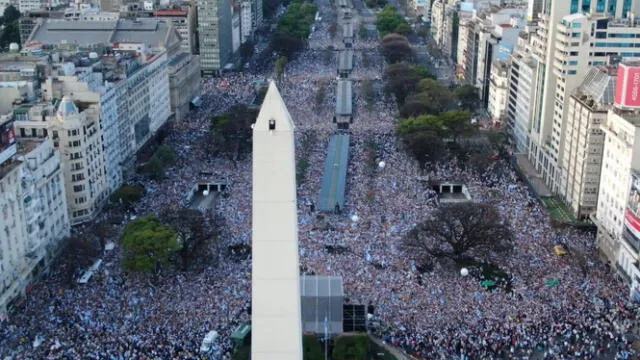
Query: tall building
[246, 21]
[25, 6]
[571, 37]
[618, 229]
[523, 80]
[256, 14]
[584, 140]
[184, 21]
[442, 25]
[33, 211]
[77, 136]
[275, 280]
[214, 34]
[498, 91]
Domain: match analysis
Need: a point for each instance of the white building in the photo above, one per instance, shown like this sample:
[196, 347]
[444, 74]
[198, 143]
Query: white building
[523, 77]
[33, 214]
[24, 6]
[246, 27]
[584, 140]
[498, 91]
[442, 13]
[567, 49]
[618, 229]
[78, 137]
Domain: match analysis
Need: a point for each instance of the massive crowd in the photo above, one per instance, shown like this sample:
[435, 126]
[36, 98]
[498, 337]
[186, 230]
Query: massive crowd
[432, 315]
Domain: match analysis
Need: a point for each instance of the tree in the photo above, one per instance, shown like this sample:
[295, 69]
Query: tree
[364, 34]
[280, 65]
[127, 195]
[425, 146]
[432, 98]
[400, 80]
[312, 348]
[460, 232]
[194, 232]
[80, 252]
[422, 103]
[368, 92]
[231, 132]
[467, 95]
[294, 27]
[153, 168]
[285, 44]
[395, 48]
[166, 155]
[10, 14]
[10, 34]
[423, 72]
[457, 123]
[403, 29]
[148, 244]
[389, 20]
[246, 50]
[354, 347]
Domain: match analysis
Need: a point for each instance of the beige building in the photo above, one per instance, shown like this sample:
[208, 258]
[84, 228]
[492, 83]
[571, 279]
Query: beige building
[584, 140]
[184, 83]
[77, 135]
[33, 215]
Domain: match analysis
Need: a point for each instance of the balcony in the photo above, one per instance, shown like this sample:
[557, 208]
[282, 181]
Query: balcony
[631, 240]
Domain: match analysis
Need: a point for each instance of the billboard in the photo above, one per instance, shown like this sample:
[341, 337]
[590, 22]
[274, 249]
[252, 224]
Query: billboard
[628, 86]
[8, 146]
[632, 213]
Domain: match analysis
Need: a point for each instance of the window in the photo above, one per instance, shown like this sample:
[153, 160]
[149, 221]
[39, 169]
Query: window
[573, 63]
[33, 132]
[573, 53]
[78, 188]
[575, 35]
[572, 72]
[601, 35]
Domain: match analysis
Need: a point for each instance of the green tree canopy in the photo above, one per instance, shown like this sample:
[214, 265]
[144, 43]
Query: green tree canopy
[467, 95]
[148, 244]
[400, 80]
[389, 21]
[458, 123]
[280, 65]
[353, 347]
[294, 27]
[127, 195]
[231, 132]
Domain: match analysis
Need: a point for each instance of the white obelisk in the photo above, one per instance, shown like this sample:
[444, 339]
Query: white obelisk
[276, 325]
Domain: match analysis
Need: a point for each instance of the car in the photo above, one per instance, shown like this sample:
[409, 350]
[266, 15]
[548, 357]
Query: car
[208, 341]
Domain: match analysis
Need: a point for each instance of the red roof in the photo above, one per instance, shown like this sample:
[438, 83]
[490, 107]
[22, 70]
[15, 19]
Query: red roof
[170, 12]
[506, 25]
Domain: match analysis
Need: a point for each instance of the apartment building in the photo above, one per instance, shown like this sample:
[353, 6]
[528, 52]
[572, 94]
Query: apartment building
[618, 235]
[522, 88]
[76, 134]
[184, 21]
[498, 91]
[214, 34]
[571, 37]
[246, 21]
[184, 84]
[442, 15]
[33, 210]
[584, 140]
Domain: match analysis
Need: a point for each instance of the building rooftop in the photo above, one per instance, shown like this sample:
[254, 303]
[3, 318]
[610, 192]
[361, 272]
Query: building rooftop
[598, 88]
[631, 116]
[152, 32]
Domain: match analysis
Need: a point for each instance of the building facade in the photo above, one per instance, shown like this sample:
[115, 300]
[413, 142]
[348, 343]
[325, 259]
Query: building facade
[33, 210]
[498, 91]
[584, 140]
[77, 136]
[521, 95]
[214, 34]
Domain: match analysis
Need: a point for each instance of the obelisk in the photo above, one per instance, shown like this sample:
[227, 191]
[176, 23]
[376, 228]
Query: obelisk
[276, 326]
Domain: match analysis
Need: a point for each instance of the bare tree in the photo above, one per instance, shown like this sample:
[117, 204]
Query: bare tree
[465, 231]
[196, 232]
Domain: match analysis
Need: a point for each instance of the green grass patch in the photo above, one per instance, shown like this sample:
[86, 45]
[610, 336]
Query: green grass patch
[558, 210]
